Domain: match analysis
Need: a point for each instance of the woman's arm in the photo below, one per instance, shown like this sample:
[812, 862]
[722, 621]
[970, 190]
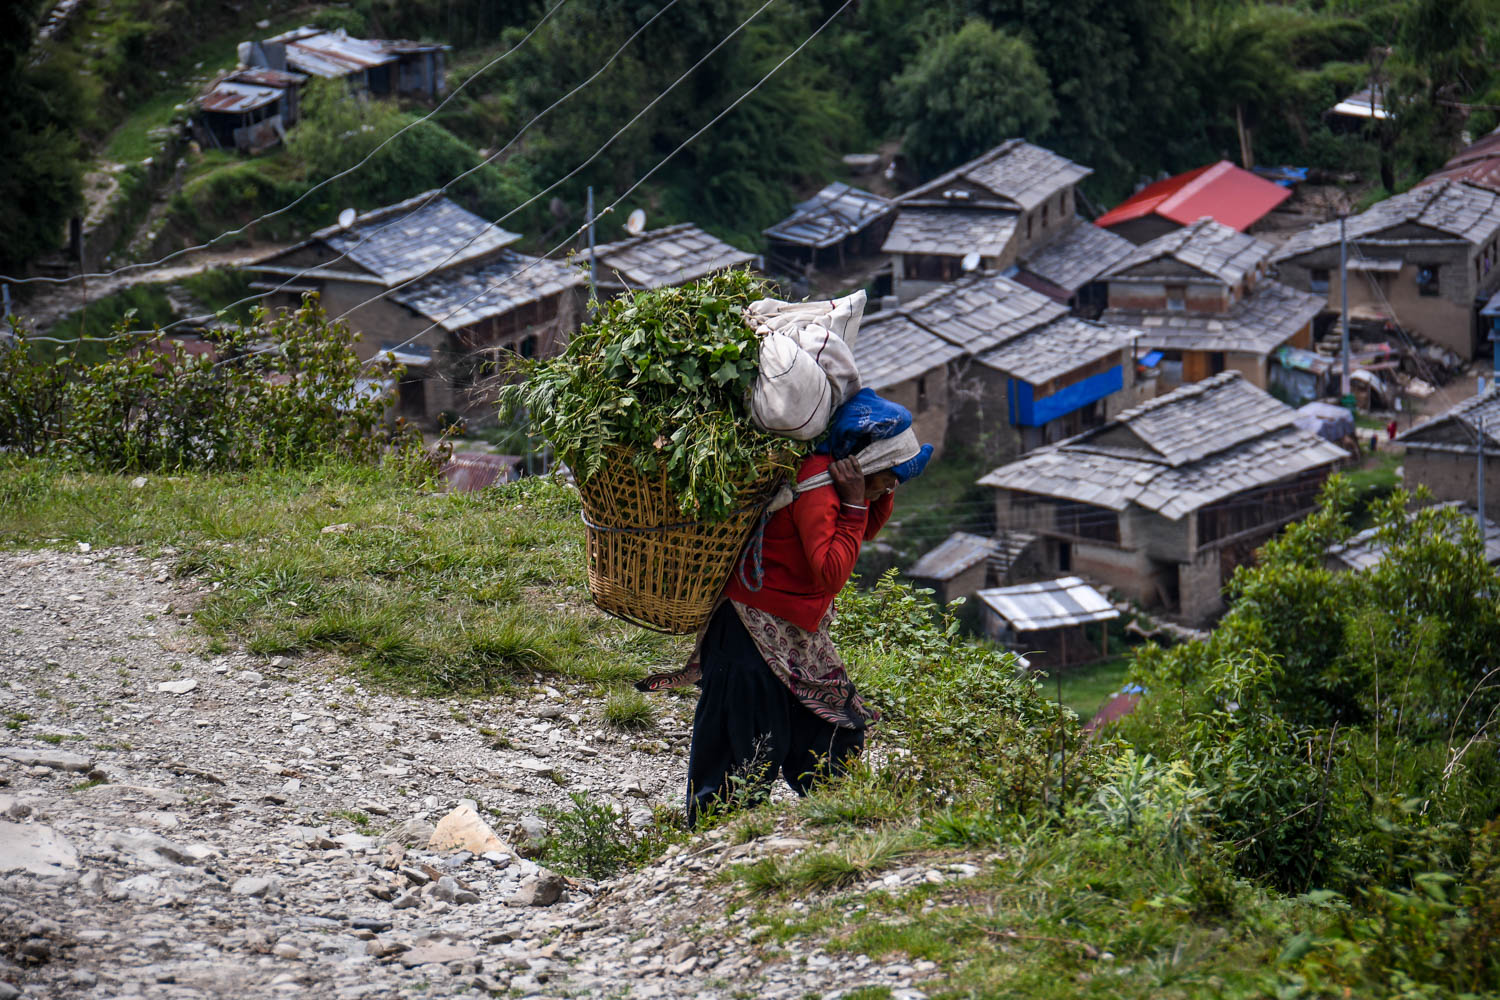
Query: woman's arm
[880, 512]
[831, 533]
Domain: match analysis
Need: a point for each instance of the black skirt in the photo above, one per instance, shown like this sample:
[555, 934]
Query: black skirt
[749, 727]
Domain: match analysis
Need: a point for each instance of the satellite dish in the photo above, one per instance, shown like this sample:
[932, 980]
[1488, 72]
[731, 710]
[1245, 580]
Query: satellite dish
[635, 222]
[971, 260]
[347, 217]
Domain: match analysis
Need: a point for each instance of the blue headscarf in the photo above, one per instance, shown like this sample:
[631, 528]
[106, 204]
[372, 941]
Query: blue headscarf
[866, 417]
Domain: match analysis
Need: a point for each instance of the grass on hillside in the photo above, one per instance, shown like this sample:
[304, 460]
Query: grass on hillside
[429, 592]
[1086, 688]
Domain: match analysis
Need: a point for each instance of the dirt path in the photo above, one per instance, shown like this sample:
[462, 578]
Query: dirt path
[52, 302]
[180, 822]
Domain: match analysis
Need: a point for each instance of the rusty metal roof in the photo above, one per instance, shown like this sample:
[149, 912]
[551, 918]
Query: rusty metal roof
[332, 54]
[237, 98]
[260, 76]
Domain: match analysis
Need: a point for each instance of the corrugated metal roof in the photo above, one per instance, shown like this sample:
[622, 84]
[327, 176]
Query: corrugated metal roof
[1361, 104]
[1077, 256]
[1462, 211]
[238, 98]
[666, 257]
[260, 76]
[1258, 323]
[456, 299]
[833, 215]
[1014, 173]
[891, 349]
[1221, 191]
[470, 471]
[332, 54]
[958, 552]
[951, 232]
[1031, 607]
[395, 245]
[1213, 248]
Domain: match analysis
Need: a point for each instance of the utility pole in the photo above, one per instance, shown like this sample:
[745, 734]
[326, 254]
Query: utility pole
[1344, 294]
[1480, 478]
[593, 265]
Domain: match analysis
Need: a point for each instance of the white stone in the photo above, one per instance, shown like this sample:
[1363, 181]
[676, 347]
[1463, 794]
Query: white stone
[463, 830]
[177, 687]
[33, 848]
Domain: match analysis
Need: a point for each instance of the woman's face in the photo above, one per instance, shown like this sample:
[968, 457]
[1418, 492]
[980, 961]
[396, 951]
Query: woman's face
[878, 484]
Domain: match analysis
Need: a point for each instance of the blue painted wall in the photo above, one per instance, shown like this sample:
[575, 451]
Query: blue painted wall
[1026, 410]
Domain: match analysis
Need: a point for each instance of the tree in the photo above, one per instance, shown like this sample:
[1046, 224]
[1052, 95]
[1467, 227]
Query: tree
[41, 173]
[967, 92]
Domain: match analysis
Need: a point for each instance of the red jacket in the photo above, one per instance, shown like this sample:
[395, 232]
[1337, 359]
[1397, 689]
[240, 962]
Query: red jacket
[809, 551]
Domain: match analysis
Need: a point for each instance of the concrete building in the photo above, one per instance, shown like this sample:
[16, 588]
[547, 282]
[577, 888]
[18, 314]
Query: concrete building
[438, 286]
[994, 365]
[1443, 453]
[1200, 296]
[1165, 500]
[999, 206]
[663, 258]
[1230, 195]
[1422, 259]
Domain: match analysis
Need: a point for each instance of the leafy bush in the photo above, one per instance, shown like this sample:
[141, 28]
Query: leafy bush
[594, 840]
[662, 376]
[288, 390]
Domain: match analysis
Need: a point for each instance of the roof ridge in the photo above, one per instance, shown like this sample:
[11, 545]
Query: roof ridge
[1188, 391]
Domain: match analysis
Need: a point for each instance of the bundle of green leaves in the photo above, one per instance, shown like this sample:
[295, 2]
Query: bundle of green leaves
[661, 379]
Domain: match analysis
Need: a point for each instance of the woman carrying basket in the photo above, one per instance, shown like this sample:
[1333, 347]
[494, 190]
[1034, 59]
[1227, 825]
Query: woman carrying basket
[775, 695]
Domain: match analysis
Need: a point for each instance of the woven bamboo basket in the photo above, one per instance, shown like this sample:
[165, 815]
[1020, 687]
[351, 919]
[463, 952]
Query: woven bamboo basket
[648, 565]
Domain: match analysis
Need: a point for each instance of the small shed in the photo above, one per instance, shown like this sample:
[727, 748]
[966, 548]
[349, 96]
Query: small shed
[957, 567]
[1049, 620]
[840, 220]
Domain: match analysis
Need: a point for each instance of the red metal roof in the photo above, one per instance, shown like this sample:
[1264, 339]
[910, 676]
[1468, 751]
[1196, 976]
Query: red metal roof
[1477, 164]
[1221, 191]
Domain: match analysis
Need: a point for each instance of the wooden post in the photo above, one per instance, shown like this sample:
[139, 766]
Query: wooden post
[1104, 639]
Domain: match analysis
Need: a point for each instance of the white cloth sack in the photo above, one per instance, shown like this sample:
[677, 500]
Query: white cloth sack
[787, 399]
[876, 457]
[791, 395]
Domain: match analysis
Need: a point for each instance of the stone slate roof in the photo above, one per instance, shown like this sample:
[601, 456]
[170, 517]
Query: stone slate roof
[1364, 550]
[1457, 429]
[666, 257]
[834, 214]
[958, 552]
[952, 232]
[1015, 172]
[406, 239]
[1462, 211]
[983, 311]
[454, 300]
[1078, 256]
[1223, 253]
[1257, 324]
[1056, 348]
[891, 348]
[1175, 454]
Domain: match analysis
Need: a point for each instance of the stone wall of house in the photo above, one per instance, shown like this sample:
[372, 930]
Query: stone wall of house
[1453, 476]
[1126, 570]
[1199, 587]
[1158, 537]
[979, 414]
[927, 397]
[1446, 318]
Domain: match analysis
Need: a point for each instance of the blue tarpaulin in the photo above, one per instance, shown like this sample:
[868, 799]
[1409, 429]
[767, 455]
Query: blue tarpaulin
[1028, 411]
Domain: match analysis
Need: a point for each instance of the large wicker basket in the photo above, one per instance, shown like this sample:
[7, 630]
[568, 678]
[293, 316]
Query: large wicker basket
[649, 565]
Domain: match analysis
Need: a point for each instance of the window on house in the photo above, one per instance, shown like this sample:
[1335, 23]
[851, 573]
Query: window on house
[1062, 205]
[922, 394]
[528, 347]
[1427, 280]
[1215, 362]
[1318, 279]
[1028, 226]
[1177, 297]
[1044, 215]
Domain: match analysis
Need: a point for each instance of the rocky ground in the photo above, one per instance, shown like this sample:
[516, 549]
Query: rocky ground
[181, 822]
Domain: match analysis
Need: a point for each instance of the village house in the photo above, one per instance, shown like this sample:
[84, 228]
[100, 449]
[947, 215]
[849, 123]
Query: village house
[248, 109]
[1424, 260]
[1165, 500]
[663, 258]
[838, 223]
[992, 364]
[958, 567]
[1221, 191]
[999, 207]
[1200, 296]
[1068, 267]
[439, 288]
[382, 67]
[1443, 453]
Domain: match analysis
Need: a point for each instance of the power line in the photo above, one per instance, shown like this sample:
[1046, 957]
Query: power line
[316, 187]
[495, 286]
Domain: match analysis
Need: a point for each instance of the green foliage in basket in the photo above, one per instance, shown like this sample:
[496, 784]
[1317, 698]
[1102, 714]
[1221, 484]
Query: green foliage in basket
[664, 376]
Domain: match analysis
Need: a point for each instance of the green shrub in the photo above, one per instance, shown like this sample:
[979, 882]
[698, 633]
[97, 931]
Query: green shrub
[628, 709]
[594, 840]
